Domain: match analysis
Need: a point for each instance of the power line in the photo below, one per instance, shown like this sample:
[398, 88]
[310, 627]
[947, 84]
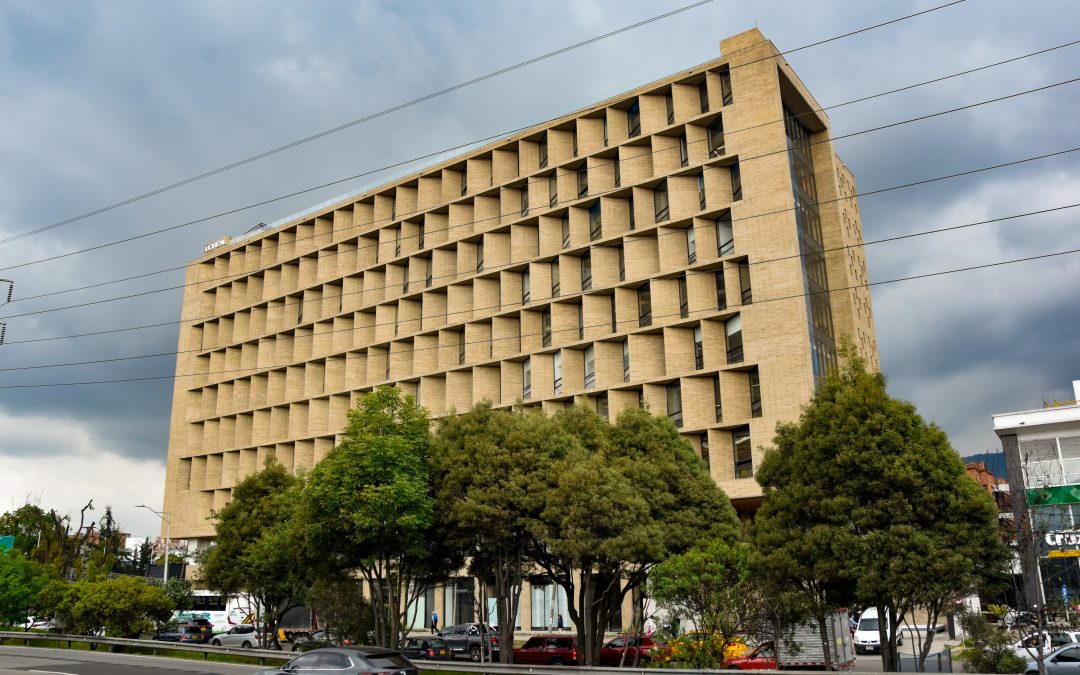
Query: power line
[588, 197]
[505, 133]
[573, 295]
[600, 325]
[784, 210]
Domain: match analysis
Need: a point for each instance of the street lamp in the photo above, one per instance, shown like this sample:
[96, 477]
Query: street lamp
[168, 538]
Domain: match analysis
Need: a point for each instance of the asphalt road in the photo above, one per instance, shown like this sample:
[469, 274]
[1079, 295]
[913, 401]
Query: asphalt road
[23, 660]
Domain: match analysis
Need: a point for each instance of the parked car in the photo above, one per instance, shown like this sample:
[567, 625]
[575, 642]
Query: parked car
[204, 626]
[194, 634]
[1028, 647]
[243, 635]
[637, 650]
[429, 648]
[763, 657]
[866, 636]
[319, 639]
[346, 661]
[38, 623]
[548, 650]
[472, 639]
[1062, 661]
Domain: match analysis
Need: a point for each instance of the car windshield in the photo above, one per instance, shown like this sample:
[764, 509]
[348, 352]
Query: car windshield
[868, 624]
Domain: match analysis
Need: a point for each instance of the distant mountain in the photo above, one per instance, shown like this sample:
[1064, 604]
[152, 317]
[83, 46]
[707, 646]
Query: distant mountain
[994, 461]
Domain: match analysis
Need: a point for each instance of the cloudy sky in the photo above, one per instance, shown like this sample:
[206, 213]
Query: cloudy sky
[100, 102]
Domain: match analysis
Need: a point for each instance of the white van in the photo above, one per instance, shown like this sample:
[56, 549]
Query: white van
[866, 632]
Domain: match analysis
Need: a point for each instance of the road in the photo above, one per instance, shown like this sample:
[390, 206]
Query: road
[23, 660]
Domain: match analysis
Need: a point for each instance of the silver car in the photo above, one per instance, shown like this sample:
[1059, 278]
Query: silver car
[243, 635]
[1062, 661]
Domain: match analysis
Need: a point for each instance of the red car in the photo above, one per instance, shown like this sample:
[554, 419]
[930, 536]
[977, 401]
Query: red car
[548, 650]
[762, 658]
[636, 648]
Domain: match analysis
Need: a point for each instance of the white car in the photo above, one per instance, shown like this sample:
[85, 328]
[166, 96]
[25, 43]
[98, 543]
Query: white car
[1028, 648]
[38, 623]
[243, 635]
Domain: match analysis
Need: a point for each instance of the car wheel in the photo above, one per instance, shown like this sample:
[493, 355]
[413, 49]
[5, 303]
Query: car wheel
[557, 662]
[246, 645]
[474, 653]
[216, 643]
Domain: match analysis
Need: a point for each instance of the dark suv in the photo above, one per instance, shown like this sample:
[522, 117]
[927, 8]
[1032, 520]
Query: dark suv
[548, 650]
[473, 639]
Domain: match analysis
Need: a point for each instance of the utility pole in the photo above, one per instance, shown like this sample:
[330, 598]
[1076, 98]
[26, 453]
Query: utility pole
[167, 518]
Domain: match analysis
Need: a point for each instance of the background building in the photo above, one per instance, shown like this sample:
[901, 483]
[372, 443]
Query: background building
[693, 245]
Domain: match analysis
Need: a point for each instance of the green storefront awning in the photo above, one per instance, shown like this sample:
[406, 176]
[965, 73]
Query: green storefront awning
[1050, 496]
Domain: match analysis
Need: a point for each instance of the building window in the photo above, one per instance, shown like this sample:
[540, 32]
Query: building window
[736, 183]
[526, 378]
[674, 403]
[590, 367]
[573, 142]
[626, 360]
[684, 298]
[721, 290]
[684, 152]
[744, 282]
[691, 245]
[545, 327]
[716, 137]
[556, 365]
[716, 398]
[699, 351]
[603, 121]
[387, 364]
[602, 405]
[630, 207]
[393, 208]
[660, 202]
[480, 256]
[526, 288]
[725, 86]
[461, 347]
[405, 279]
[618, 173]
[586, 271]
[733, 332]
[464, 180]
[543, 150]
[553, 190]
[613, 324]
[583, 182]
[744, 459]
[725, 235]
[633, 119]
[644, 302]
[397, 242]
[669, 106]
[580, 321]
[622, 263]
[420, 236]
[594, 221]
[566, 230]
[524, 193]
[556, 286]
[704, 441]
[755, 393]
[701, 191]
[427, 272]
[703, 96]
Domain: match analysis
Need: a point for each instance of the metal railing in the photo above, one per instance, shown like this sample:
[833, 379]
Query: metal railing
[154, 646]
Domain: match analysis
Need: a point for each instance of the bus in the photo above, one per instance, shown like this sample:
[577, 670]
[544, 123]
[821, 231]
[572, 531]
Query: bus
[221, 611]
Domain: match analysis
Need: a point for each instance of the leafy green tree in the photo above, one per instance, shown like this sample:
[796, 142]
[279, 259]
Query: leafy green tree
[180, 592]
[861, 496]
[986, 649]
[369, 508]
[26, 524]
[485, 465]
[340, 605]
[254, 551]
[121, 607]
[21, 582]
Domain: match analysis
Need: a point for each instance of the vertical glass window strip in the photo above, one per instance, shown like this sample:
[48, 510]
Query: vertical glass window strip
[545, 327]
[556, 286]
[526, 378]
[633, 119]
[556, 366]
[721, 290]
[684, 299]
[716, 137]
[613, 324]
[405, 280]
[674, 403]
[461, 347]
[427, 272]
[387, 363]
[594, 221]
[526, 288]
[719, 407]
[583, 181]
[626, 360]
[603, 121]
[725, 87]
[669, 106]
[581, 321]
[464, 180]
[566, 230]
[733, 333]
[602, 405]
[701, 191]
[480, 256]
[660, 202]
[736, 183]
[755, 392]
[622, 263]
[703, 96]
[744, 282]
[725, 235]
[618, 173]
[590, 367]
[644, 298]
[393, 208]
[704, 441]
[630, 207]
[524, 192]
[397, 242]
[586, 271]
[543, 151]
[699, 351]
[420, 236]
[744, 459]
[553, 190]
[573, 142]
[684, 152]
[691, 245]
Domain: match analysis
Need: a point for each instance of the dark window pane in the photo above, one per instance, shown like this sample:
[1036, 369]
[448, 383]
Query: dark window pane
[755, 393]
[736, 183]
[684, 300]
[703, 96]
[586, 272]
[594, 222]
[660, 202]
[633, 119]
[744, 459]
[669, 106]
[644, 306]
[674, 403]
[744, 283]
[716, 137]
[725, 86]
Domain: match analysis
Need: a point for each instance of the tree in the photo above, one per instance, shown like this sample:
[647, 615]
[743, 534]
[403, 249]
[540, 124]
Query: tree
[21, 582]
[121, 607]
[485, 465]
[632, 494]
[26, 524]
[254, 551]
[368, 507]
[340, 605]
[180, 592]
[861, 495]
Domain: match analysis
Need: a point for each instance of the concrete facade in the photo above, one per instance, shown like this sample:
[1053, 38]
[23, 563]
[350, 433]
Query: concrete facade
[544, 269]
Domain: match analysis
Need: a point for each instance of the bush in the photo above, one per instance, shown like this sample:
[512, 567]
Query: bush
[987, 650]
[122, 607]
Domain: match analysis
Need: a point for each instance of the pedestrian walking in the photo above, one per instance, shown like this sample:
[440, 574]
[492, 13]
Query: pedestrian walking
[434, 622]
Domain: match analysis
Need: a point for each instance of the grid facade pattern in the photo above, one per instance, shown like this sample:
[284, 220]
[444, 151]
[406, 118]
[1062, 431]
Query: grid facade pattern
[634, 253]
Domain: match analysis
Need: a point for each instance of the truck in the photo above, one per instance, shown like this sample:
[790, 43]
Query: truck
[806, 640]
